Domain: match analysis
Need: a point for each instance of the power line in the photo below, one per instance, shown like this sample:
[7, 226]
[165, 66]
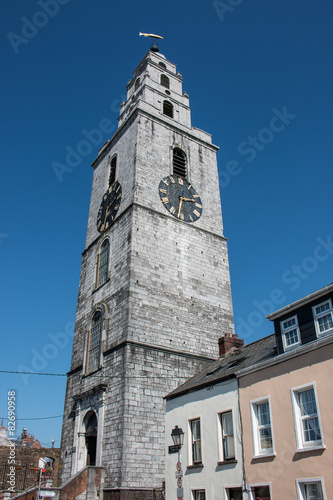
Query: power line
[34, 418]
[35, 373]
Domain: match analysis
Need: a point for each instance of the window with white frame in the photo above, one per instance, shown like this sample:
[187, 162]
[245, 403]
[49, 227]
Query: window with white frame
[262, 427]
[310, 489]
[323, 317]
[196, 441]
[307, 422]
[290, 332]
[199, 495]
[227, 431]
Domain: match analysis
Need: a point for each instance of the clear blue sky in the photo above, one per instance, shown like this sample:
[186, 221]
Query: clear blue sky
[259, 77]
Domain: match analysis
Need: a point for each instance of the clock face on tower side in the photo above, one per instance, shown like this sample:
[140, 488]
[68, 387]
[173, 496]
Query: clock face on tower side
[109, 207]
[180, 198]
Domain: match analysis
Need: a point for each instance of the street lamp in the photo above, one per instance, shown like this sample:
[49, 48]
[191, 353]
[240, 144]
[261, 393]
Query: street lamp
[177, 435]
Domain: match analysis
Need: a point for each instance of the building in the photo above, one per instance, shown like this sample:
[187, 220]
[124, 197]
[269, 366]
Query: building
[154, 294]
[287, 405]
[206, 408]
[279, 394]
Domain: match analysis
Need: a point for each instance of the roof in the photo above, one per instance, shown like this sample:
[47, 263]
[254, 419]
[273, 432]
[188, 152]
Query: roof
[301, 302]
[226, 367]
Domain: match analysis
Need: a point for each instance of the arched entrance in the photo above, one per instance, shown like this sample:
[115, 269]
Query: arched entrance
[91, 437]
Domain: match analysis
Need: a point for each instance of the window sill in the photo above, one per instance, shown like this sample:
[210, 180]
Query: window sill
[266, 455]
[311, 448]
[195, 466]
[100, 286]
[228, 461]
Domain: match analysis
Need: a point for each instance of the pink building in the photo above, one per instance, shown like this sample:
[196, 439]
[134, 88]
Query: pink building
[286, 406]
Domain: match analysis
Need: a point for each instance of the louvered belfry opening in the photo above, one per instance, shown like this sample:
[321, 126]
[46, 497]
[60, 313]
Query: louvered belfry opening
[179, 162]
[168, 109]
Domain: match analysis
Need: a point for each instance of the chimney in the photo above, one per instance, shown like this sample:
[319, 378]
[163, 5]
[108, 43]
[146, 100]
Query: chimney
[229, 343]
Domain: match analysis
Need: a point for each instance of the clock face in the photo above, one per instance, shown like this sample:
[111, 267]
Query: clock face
[109, 207]
[180, 198]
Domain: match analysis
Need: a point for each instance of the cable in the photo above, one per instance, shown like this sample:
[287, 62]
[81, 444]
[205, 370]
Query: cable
[35, 418]
[35, 373]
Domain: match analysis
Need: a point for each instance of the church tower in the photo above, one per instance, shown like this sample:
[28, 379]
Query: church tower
[154, 293]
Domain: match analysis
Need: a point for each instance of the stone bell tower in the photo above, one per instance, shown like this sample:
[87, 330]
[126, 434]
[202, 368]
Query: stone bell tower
[154, 293]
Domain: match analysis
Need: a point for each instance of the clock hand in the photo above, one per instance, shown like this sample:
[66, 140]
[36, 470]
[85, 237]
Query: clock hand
[188, 199]
[180, 205]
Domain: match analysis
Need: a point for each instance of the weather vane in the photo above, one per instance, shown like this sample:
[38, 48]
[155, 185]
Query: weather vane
[155, 37]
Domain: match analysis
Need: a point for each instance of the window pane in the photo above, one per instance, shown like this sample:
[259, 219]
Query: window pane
[291, 337]
[265, 438]
[307, 402]
[322, 308]
[103, 263]
[95, 339]
[325, 323]
[263, 414]
[227, 435]
[311, 429]
[313, 491]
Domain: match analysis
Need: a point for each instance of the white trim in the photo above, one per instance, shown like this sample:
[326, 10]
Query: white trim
[220, 435]
[300, 482]
[305, 300]
[302, 445]
[257, 451]
[190, 441]
[317, 316]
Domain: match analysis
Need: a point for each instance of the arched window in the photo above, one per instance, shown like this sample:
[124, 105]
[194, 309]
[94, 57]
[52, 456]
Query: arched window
[103, 263]
[113, 166]
[168, 109]
[95, 342]
[179, 162]
[165, 81]
[137, 84]
[162, 65]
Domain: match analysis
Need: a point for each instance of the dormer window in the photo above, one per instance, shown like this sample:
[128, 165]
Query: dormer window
[168, 109]
[113, 166]
[179, 162]
[322, 314]
[290, 332]
[165, 81]
[137, 84]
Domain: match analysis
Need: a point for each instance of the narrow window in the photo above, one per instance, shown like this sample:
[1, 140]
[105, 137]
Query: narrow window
[137, 84]
[103, 263]
[310, 489]
[179, 162]
[165, 82]
[168, 109]
[227, 435]
[290, 332]
[307, 424]
[113, 166]
[261, 428]
[196, 441]
[95, 342]
[322, 314]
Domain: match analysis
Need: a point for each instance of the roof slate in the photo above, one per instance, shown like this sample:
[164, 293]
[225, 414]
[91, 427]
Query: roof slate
[226, 367]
